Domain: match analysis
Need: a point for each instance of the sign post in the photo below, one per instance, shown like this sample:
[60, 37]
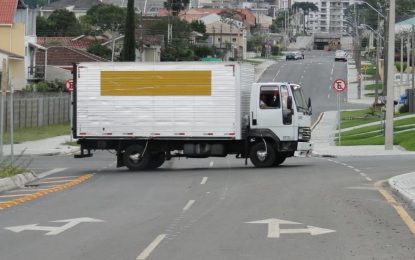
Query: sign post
[338, 86]
[69, 88]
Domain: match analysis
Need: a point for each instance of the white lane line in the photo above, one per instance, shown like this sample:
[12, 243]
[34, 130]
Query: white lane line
[61, 177]
[211, 163]
[276, 75]
[57, 181]
[351, 167]
[204, 180]
[13, 195]
[368, 178]
[188, 205]
[45, 174]
[356, 170]
[302, 76]
[146, 252]
[344, 164]
[363, 174]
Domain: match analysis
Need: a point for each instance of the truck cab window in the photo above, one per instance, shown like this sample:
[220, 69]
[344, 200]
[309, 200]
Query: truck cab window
[286, 111]
[269, 97]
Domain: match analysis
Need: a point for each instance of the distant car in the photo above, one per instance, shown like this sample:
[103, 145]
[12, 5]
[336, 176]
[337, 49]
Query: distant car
[294, 56]
[340, 56]
[290, 56]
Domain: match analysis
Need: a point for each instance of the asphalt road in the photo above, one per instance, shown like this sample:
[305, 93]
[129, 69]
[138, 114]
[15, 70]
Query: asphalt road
[321, 208]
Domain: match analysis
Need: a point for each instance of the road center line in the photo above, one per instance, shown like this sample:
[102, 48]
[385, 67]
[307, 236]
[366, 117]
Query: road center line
[204, 180]
[188, 205]
[356, 170]
[276, 75]
[363, 174]
[368, 178]
[146, 252]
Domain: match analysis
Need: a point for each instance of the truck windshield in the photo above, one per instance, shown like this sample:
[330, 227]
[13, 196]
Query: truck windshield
[299, 98]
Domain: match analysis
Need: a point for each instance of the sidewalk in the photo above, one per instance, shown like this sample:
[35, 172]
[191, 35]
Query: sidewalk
[352, 94]
[404, 185]
[261, 68]
[49, 146]
[323, 135]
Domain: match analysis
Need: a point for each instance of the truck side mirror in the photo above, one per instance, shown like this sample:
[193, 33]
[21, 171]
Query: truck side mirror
[290, 102]
[309, 103]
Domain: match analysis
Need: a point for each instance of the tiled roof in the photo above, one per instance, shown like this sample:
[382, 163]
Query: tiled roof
[82, 42]
[77, 4]
[7, 11]
[66, 56]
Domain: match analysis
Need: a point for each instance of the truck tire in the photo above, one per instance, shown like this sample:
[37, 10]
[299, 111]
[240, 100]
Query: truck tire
[156, 160]
[258, 156]
[279, 159]
[134, 159]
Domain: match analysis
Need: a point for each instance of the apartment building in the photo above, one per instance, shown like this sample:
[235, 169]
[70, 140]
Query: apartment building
[329, 18]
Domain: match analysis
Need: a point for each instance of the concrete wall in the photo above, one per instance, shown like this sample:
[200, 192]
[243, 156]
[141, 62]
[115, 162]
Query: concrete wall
[57, 73]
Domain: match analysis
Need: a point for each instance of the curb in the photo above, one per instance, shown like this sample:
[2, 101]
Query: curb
[17, 181]
[401, 190]
[259, 74]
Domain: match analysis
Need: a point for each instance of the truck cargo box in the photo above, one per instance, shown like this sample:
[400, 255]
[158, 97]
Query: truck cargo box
[162, 100]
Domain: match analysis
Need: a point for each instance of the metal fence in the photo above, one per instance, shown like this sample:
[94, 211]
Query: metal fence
[37, 109]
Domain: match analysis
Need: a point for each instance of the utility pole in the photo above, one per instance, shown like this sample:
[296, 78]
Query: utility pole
[413, 58]
[390, 79]
[401, 67]
[386, 54]
[357, 55]
[408, 57]
[377, 66]
[4, 80]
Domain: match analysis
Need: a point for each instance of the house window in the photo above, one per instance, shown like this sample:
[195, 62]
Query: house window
[234, 39]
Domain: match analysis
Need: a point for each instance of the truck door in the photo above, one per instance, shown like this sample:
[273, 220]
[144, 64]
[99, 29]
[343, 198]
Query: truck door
[273, 112]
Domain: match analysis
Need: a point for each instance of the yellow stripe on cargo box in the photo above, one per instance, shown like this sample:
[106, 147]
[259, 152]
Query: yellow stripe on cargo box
[156, 83]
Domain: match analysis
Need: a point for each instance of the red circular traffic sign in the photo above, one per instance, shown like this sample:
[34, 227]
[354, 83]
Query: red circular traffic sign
[69, 85]
[338, 85]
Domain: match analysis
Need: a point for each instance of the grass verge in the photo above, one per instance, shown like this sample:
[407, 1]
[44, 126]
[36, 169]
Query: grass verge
[9, 169]
[373, 135]
[31, 134]
[361, 117]
[405, 139]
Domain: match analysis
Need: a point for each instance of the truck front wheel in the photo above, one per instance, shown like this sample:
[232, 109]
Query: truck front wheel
[134, 158]
[262, 156]
[156, 161]
[279, 159]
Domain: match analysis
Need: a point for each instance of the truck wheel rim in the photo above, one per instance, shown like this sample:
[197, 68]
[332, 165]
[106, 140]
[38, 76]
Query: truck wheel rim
[135, 157]
[261, 155]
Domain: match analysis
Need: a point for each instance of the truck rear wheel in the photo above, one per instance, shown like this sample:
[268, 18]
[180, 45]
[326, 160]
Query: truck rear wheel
[262, 156]
[279, 159]
[156, 160]
[134, 158]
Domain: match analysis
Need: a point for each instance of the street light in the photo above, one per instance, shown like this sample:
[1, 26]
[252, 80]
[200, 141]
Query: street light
[370, 28]
[374, 9]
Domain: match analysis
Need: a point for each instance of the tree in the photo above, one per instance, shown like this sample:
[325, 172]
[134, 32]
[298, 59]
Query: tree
[105, 17]
[198, 26]
[175, 6]
[306, 7]
[60, 23]
[128, 52]
[99, 50]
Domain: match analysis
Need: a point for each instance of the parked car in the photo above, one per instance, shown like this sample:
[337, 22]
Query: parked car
[340, 56]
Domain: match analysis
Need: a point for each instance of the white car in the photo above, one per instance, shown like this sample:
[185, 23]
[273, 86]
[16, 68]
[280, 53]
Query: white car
[340, 56]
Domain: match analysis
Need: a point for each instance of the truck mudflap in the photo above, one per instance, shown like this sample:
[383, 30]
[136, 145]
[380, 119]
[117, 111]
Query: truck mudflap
[304, 149]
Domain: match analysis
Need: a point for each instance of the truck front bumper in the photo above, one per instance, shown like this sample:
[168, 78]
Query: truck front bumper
[304, 148]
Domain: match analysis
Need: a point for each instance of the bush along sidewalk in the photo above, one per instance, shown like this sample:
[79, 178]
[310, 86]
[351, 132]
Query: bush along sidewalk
[9, 167]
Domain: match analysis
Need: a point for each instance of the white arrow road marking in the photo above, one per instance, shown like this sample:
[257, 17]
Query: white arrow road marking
[273, 225]
[54, 230]
[274, 230]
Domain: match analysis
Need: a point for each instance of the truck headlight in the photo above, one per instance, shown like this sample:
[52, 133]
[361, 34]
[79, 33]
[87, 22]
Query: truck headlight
[304, 134]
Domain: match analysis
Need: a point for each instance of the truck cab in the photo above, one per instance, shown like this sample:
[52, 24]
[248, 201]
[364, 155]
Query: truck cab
[280, 119]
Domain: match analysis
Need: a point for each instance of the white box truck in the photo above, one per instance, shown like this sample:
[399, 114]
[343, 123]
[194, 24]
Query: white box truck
[150, 112]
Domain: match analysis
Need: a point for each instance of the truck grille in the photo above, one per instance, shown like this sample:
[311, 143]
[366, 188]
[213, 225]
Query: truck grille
[304, 134]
